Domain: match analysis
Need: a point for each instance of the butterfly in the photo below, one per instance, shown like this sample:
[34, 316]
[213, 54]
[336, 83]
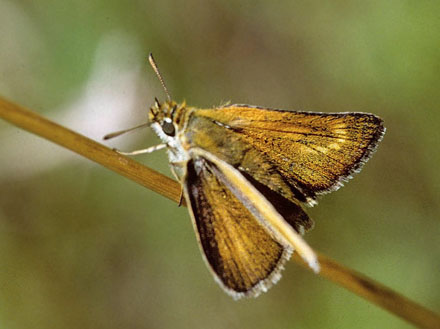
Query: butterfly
[246, 172]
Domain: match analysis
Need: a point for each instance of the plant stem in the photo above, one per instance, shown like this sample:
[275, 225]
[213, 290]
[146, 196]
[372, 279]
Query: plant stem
[356, 282]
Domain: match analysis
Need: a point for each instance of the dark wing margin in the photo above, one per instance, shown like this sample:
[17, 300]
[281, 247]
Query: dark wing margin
[244, 258]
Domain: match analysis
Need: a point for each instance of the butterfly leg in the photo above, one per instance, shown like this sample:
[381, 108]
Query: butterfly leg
[178, 170]
[147, 150]
[181, 198]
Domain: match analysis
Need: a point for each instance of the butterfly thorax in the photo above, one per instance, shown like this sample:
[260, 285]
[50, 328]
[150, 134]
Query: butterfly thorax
[168, 120]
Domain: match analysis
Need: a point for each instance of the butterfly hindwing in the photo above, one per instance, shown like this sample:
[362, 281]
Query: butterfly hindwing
[243, 256]
[291, 211]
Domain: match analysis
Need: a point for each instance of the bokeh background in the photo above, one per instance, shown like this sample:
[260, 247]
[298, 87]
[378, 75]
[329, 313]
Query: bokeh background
[81, 247]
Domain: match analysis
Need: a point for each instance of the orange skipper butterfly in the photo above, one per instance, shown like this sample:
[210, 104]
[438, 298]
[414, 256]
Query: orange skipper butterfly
[247, 171]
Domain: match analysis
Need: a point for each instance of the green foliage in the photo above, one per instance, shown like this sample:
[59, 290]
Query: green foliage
[80, 246]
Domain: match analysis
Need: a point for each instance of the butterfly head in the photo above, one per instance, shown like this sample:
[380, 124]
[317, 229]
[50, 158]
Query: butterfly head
[164, 118]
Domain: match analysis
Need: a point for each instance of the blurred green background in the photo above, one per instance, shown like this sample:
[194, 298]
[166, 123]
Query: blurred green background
[81, 247]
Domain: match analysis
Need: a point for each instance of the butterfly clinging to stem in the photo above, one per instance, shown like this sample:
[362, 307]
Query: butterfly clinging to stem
[247, 171]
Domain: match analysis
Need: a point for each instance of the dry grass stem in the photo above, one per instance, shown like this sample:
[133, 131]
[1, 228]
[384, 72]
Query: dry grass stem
[347, 278]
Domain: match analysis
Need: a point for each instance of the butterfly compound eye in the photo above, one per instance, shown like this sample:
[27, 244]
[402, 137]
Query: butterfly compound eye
[168, 127]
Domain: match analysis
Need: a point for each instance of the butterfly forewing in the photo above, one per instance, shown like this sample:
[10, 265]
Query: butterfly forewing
[244, 257]
[296, 154]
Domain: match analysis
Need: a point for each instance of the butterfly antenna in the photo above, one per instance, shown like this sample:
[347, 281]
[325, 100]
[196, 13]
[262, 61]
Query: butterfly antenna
[156, 70]
[119, 133]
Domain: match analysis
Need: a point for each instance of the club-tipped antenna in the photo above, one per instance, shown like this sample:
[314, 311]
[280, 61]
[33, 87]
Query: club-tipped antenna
[156, 70]
[120, 132]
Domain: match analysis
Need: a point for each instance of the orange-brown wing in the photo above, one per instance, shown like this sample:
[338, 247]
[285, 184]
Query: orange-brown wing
[244, 258]
[296, 154]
